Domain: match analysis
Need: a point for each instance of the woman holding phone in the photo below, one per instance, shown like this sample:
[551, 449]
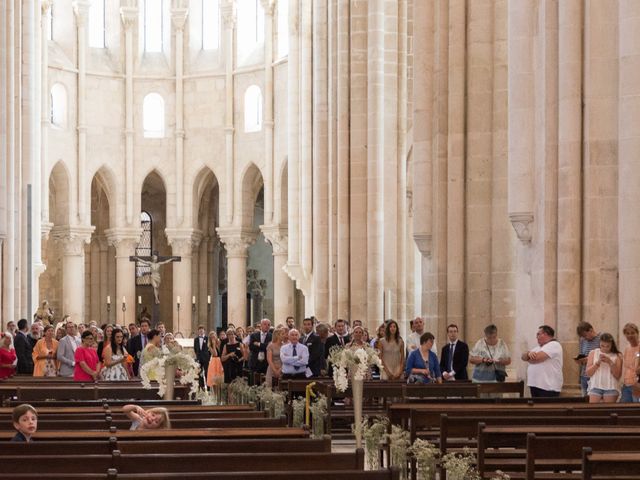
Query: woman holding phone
[604, 369]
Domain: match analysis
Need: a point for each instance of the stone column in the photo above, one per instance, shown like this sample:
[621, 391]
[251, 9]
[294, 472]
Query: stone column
[178, 17]
[45, 121]
[129, 19]
[227, 8]
[521, 20]
[268, 6]
[375, 160]
[81, 10]
[73, 240]
[236, 242]
[103, 285]
[629, 167]
[213, 250]
[182, 242]
[125, 241]
[283, 287]
[94, 281]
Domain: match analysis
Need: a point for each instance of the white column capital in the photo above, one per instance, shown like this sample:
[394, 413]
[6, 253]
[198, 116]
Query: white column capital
[45, 229]
[522, 225]
[228, 12]
[236, 240]
[183, 240]
[125, 240]
[277, 236]
[268, 6]
[179, 17]
[45, 7]
[72, 239]
[81, 11]
[129, 16]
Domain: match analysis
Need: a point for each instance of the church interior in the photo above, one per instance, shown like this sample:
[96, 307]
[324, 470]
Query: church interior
[213, 163]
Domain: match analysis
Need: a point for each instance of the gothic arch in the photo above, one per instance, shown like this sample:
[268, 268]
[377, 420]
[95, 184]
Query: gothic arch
[59, 194]
[250, 186]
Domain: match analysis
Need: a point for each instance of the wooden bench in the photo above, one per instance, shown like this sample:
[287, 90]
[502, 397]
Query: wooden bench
[610, 466]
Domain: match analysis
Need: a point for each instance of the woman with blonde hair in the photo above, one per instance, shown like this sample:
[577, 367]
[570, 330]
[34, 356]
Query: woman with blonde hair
[274, 370]
[630, 364]
[45, 363]
[215, 372]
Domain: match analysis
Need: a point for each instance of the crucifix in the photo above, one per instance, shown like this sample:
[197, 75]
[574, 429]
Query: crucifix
[154, 262]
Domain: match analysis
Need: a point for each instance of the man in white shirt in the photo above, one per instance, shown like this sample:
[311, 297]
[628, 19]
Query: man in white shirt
[544, 373]
[295, 357]
[67, 350]
[413, 341]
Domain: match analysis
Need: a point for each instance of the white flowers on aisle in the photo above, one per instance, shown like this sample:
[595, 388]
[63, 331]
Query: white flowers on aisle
[350, 363]
[156, 370]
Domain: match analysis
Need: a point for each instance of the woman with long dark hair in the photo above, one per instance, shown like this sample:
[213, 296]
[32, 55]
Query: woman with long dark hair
[391, 352]
[115, 358]
[604, 369]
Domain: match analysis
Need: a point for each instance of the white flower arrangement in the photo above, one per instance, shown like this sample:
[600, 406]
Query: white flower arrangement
[155, 369]
[352, 363]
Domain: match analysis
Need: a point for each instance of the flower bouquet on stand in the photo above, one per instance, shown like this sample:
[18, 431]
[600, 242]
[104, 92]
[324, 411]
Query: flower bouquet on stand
[353, 364]
[165, 368]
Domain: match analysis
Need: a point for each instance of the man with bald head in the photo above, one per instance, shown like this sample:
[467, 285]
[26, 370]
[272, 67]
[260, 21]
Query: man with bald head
[258, 342]
[295, 357]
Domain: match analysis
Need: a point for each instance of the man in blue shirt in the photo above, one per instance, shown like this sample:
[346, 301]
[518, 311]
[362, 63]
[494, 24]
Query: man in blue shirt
[295, 357]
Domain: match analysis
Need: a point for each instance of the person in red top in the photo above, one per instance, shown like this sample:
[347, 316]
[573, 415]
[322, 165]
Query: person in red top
[7, 356]
[87, 366]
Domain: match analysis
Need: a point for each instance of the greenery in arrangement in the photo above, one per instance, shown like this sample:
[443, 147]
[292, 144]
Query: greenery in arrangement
[461, 466]
[399, 445]
[318, 410]
[298, 406]
[500, 475]
[374, 433]
[426, 455]
[155, 369]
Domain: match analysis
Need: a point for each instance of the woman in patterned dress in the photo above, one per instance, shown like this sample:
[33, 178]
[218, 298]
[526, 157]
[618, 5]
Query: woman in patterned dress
[44, 354]
[115, 358]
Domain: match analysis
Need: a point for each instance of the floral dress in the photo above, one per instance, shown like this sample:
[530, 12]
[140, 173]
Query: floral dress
[115, 373]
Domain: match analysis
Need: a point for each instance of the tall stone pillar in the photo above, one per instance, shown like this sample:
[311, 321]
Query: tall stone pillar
[268, 6]
[129, 19]
[283, 287]
[125, 241]
[178, 18]
[103, 289]
[182, 242]
[227, 8]
[73, 241]
[629, 167]
[45, 121]
[213, 249]
[236, 242]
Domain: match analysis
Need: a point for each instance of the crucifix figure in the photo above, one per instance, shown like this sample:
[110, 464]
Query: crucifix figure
[154, 262]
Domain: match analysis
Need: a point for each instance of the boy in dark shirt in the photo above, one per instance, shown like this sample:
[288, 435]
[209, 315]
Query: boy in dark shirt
[25, 421]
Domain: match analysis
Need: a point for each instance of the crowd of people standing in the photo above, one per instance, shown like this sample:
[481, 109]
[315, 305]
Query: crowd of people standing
[86, 352]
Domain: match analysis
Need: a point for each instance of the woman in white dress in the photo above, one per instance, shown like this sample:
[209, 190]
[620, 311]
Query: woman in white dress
[604, 369]
[115, 358]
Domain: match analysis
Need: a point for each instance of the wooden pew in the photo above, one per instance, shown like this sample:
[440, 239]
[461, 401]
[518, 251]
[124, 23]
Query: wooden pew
[515, 437]
[554, 453]
[56, 464]
[610, 466]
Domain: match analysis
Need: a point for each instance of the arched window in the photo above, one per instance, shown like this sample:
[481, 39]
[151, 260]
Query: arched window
[144, 249]
[283, 28]
[210, 24]
[58, 113]
[253, 109]
[153, 116]
[97, 29]
[153, 25]
[250, 26]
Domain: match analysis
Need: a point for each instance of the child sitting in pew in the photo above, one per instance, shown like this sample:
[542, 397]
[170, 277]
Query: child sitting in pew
[154, 418]
[25, 421]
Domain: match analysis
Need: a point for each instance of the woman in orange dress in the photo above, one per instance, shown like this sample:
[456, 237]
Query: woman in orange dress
[44, 355]
[215, 374]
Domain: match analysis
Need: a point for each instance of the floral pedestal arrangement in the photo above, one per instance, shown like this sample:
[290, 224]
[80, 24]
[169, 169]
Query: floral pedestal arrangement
[163, 369]
[353, 364]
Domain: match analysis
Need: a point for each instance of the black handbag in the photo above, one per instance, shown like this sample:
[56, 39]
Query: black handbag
[501, 375]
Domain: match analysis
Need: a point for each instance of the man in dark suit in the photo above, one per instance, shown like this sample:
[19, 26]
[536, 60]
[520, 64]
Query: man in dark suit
[258, 342]
[455, 356]
[340, 337]
[203, 355]
[24, 349]
[314, 345]
[136, 344]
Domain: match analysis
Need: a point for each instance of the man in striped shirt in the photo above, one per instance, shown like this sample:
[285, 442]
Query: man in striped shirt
[589, 340]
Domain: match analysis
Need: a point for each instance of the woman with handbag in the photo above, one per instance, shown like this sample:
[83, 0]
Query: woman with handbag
[422, 364]
[490, 355]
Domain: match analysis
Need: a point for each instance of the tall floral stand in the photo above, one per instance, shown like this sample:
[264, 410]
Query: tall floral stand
[170, 377]
[357, 386]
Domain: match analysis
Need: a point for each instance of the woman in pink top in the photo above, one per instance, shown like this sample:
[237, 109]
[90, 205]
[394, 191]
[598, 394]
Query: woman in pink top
[630, 364]
[7, 356]
[87, 366]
